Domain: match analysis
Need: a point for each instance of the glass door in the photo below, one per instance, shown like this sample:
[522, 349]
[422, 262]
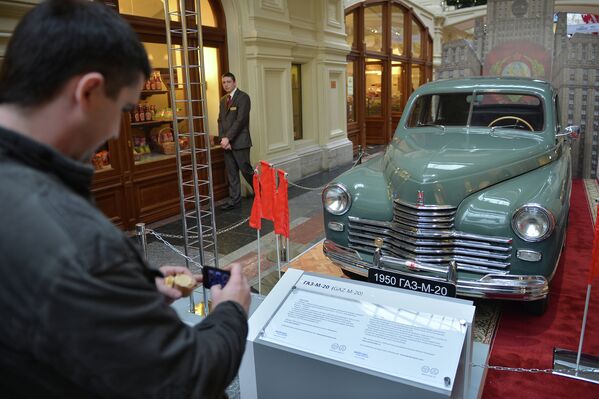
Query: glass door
[375, 103]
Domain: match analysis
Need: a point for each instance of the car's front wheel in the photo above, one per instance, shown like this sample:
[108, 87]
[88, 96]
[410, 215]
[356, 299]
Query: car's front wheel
[537, 308]
[354, 276]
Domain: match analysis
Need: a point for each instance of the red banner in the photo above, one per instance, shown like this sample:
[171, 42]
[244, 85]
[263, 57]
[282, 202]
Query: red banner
[270, 202]
[267, 184]
[256, 215]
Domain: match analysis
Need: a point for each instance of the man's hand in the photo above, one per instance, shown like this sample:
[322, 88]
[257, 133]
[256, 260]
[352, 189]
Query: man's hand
[225, 144]
[237, 289]
[171, 293]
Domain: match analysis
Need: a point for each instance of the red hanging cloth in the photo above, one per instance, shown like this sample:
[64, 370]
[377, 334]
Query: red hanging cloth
[267, 184]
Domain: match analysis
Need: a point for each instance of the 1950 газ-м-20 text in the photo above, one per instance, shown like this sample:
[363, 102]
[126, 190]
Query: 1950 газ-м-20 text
[471, 195]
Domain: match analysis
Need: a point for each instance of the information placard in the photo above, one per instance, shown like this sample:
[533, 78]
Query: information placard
[421, 347]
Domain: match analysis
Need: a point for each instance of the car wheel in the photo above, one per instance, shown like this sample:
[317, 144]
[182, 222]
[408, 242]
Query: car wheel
[537, 308]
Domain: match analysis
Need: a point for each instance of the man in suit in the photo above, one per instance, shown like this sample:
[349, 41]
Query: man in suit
[234, 133]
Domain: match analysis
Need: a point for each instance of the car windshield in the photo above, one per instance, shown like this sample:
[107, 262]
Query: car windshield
[493, 110]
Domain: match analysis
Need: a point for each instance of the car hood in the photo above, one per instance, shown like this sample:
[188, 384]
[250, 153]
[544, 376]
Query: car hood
[447, 167]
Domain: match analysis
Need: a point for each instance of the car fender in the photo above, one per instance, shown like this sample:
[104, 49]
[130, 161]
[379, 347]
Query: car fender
[490, 211]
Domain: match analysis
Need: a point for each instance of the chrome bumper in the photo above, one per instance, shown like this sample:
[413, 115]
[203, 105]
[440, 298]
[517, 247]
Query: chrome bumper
[510, 287]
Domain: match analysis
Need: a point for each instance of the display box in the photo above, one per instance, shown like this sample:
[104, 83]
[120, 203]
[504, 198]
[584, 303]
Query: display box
[314, 335]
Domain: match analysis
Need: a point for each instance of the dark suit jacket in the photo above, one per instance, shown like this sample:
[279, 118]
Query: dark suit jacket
[234, 121]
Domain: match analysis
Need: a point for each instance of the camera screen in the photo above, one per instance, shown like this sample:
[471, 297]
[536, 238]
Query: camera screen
[215, 276]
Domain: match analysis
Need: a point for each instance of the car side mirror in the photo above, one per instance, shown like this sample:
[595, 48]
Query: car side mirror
[572, 131]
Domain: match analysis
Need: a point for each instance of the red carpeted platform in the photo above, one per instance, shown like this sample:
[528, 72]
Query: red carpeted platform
[528, 341]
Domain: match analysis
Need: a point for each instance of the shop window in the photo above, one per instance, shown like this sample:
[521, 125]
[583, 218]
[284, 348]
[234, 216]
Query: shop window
[146, 8]
[213, 83]
[349, 29]
[151, 121]
[155, 9]
[101, 159]
[397, 89]
[397, 31]
[296, 100]
[416, 73]
[207, 14]
[351, 100]
[374, 79]
[373, 28]
[416, 40]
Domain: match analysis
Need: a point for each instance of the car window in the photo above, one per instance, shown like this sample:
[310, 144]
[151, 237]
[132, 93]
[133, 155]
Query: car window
[519, 111]
[440, 109]
[506, 110]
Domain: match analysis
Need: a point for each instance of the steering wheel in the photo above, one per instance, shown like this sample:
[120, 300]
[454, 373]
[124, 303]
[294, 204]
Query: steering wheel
[516, 118]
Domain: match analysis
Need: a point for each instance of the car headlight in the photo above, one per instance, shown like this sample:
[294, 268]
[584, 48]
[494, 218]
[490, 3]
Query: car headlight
[532, 222]
[336, 199]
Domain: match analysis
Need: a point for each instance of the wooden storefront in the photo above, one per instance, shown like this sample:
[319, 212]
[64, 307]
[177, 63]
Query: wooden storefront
[136, 177]
[391, 55]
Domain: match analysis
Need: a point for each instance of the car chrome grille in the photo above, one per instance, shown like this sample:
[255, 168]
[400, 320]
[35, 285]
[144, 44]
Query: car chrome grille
[426, 234]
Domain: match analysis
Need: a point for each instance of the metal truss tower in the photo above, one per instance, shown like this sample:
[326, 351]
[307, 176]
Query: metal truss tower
[187, 88]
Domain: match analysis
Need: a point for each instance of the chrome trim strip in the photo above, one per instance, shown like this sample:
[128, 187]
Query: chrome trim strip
[422, 241]
[427, 217]
[522, 288]
[438, 259]
[425, 207]
[480, 269]
[444, 248]
[441, 234]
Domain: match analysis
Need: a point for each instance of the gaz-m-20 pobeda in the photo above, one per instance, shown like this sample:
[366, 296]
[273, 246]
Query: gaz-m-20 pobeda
[474, 190]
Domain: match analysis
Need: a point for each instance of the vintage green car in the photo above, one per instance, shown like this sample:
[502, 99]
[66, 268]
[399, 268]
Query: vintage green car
[473, 194]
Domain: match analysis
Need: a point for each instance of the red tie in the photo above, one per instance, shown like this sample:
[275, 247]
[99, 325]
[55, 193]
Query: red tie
[228, 100]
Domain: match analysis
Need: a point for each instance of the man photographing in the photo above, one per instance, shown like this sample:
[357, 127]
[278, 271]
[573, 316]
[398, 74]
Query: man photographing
[84, 316]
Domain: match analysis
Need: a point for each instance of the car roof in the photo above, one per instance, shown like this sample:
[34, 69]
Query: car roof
[485, 83]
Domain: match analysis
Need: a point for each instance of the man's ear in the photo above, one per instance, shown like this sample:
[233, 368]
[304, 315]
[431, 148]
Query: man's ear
[88, 86]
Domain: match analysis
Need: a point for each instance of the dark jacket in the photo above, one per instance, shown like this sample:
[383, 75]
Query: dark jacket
[81, 316]
[234, 121]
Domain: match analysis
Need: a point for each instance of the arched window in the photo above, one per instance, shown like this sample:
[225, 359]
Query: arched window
[391, 55]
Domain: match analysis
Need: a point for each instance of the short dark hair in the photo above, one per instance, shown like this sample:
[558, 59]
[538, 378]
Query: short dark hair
[229, 75]
[60, 39]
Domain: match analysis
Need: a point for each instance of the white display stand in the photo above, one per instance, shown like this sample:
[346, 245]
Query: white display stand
[316, 336]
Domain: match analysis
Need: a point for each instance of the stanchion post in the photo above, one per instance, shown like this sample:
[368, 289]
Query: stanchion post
[259, 265]
[360, 153]
[140, 229]
[278, 255]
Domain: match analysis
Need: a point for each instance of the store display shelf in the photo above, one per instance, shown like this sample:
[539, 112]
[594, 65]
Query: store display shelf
[145, 123]
[153, 157]
[102, 169]
[147, 93]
